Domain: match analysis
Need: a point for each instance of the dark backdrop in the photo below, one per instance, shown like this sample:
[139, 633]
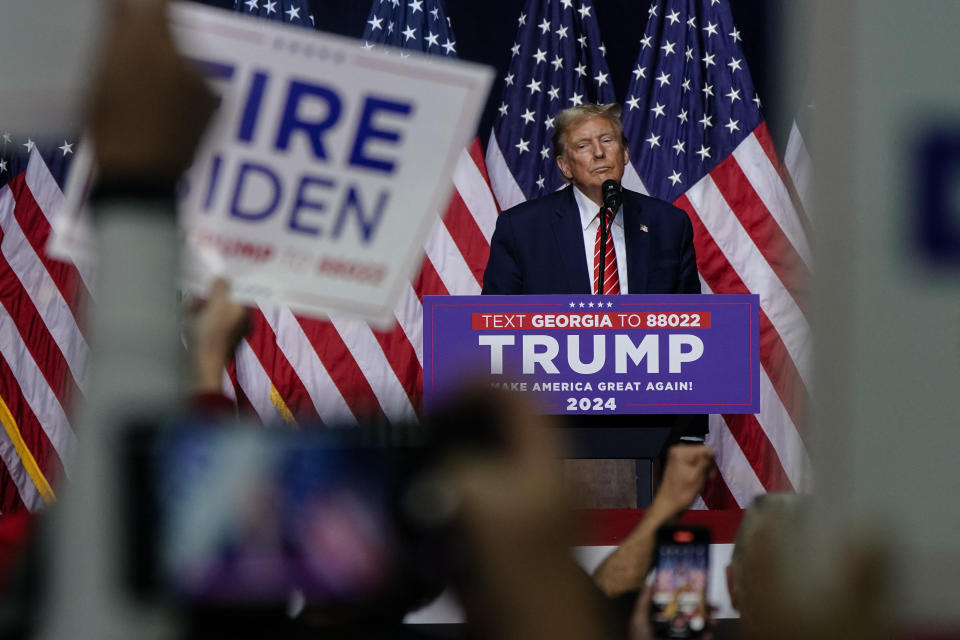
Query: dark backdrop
[485, 29]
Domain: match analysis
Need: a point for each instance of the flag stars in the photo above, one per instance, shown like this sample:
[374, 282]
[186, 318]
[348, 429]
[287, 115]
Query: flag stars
[540, 56]
[711, 29]
[582, 305]
[523, 145]
[680, 147]
[29, 144]
[557, 63]
[688, 54]
[294, 12]
[540, 181]
[581, 69]
[576, 99]
[653, 141]
[640, 72]
[584, 11]
[703, 152]
[567, 4]
[733, 125]
[416, 5]
[534, 86]
[515, 49]
[432, 40]
[735, 35]
[3, 166]
[734, 64]
[508, 79]
[528, 116]
[548, 123]
[756, 99]
[554, 93]
[658, 110]
[686, 84]
[450, 46]
[675, 178]
[707, 91]
[390, 27]
[66, 148]
[409, 34]
[375, 23]
[645, 42]
[692, 22]
[544, 26]
[668, 47]
[545, 152]
[435, 12]
[673, 17]
[522, 20]
[252, 5]
[7, 138]
[652, 11]
[708, 60]
[682, 116]
[603, 48]
[706, 121]
[734, 95]
[601, 79]
[561, 32]
[633, 103]
[663, 78]
[583, 41]
[504, 109]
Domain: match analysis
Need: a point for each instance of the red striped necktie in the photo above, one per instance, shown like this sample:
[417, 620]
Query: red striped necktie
[611, 279]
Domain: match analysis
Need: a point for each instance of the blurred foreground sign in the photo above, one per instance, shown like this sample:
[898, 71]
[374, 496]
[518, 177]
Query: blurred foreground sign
[598, 354]
[325, 166]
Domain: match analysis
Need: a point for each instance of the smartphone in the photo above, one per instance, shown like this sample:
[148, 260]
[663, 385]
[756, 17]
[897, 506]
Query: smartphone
[678, 607]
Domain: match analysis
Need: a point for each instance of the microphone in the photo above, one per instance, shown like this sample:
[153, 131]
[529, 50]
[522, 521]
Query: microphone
[612, 195]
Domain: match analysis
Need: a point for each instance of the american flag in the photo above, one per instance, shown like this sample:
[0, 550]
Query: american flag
[558, 61]
[43, 351]
[286, 11]
[307, 370]
[698, 139]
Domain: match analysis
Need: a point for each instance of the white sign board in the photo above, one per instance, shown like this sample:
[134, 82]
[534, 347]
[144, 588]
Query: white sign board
[325, 165]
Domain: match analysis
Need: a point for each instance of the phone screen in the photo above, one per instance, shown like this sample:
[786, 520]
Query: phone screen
[679, 601]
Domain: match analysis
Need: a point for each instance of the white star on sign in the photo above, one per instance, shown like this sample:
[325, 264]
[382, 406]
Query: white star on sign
[294, 12]
[640, 72]
[601, 78]
[663, 78]
[711, 29]
[653, 141]
[703, 152]
[375, 23]
[432, 40]
[534, 86]
[680, 147]
[732, 125]
[673, 17]
[528, 116]
[668, 47]
[554, 93]
[734, 64]
[544, 26]
[557, 63]
[581, 305]
[449, 46]
[409, 33]
[66, 148]
[573, 304]
[540, 56]
[584, 11]
[590, 304]
[658, 109]
[675, 178]
[523, 145]
[633, 103]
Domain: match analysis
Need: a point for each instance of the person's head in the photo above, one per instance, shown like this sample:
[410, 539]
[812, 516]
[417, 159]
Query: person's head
[589, 146]
[756, 577]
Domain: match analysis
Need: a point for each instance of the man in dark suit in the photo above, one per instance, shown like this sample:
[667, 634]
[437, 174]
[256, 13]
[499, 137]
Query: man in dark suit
[548, 245]
[552, 245]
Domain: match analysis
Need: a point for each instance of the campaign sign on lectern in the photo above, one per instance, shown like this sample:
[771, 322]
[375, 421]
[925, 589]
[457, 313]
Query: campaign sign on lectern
[584, 354]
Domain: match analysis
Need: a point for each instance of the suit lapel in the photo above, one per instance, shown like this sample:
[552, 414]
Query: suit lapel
[637, 235]
[569, 237]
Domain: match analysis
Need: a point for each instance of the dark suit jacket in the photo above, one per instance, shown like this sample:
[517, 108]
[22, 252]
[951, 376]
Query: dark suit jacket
[537, 248]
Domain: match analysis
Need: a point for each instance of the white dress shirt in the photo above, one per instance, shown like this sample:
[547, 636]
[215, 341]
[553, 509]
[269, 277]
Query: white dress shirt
[590, 222]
